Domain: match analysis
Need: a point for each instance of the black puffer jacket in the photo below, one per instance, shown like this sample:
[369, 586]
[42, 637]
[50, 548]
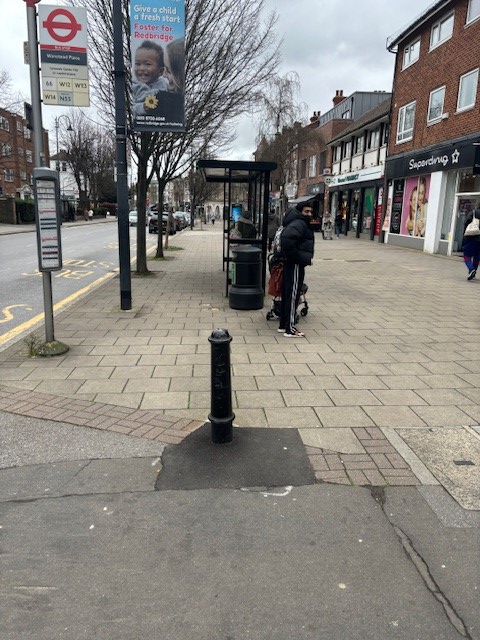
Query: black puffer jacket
[297, 239]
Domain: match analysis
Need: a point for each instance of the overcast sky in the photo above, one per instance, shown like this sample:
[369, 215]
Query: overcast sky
[331, 44]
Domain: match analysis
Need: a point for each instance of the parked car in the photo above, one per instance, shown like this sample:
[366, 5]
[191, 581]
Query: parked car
[180, 220]
[133, 218]
[153, 224]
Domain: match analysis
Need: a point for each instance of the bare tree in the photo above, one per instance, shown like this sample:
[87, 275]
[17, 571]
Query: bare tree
[230, 57]
[280, 128]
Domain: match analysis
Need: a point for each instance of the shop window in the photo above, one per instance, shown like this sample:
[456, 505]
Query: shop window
[435, 105]
[467, 90]
[312, 166]
[406, 121]
[441, 31]
[411, 53]
[473, 10]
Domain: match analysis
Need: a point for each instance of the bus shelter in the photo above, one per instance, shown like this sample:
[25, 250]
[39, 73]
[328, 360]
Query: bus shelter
[246, 187]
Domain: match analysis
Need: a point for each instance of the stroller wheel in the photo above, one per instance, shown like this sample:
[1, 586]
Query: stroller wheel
[304, 312]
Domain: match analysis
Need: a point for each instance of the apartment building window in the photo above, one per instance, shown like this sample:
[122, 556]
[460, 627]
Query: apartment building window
[322, 162]
[441, 31]
[337, 153]
[8, 175]
[303, 168]
[4, 124]
[406, 121]
[473, 10]
[385, 132]
[28, 155]
[467, 90]
[19, 126]
[411, 53]
[347, 149]
[373, 139]
[23, 175]
[312, 166]
[6, 150]
[435, 104]
[27, 134]
[359, 144]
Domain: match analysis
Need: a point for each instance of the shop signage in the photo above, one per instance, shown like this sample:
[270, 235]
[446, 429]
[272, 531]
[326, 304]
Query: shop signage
[362, 175]
[441, 159]
[316, 188]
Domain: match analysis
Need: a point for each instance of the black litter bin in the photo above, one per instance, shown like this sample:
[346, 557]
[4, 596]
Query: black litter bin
[246, 278]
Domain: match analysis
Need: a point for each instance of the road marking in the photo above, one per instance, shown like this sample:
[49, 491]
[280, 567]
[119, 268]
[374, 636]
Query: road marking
[9, 315]
[29, 324]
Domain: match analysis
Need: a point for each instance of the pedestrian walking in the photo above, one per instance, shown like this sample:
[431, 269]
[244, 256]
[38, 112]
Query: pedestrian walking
[471, 243]
[297, 248]
[327, 226]
[90, 215]
[338, 223]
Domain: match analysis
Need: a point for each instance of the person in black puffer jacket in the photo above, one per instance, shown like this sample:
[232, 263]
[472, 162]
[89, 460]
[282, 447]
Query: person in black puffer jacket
[471, 247]
[297, 248]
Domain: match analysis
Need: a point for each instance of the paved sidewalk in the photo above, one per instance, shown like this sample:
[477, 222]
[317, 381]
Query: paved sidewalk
[388, 363]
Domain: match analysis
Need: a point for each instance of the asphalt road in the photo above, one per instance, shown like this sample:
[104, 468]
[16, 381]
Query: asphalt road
[90, 255]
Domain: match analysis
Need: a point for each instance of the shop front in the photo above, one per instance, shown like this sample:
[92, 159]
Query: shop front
[358, 196]
[429, 195]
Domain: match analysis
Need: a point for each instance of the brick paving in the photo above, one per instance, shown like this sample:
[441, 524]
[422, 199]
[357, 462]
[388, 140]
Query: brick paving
[381, 465]
[386, 350]
[133, 422]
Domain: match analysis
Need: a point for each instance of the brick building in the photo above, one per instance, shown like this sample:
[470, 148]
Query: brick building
[432, 169]
[17, 155]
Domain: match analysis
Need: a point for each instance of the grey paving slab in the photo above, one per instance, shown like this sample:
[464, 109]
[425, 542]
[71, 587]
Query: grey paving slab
[453, 456]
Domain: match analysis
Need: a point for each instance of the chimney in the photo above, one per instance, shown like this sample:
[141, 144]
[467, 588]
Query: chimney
[315, 117]
[339, 97]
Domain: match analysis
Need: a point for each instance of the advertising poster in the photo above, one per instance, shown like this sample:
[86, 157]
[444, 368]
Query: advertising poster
[158, 65]
[415, 205]
[397, 203]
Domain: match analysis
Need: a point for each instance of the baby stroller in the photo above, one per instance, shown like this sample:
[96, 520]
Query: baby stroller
[275, 266]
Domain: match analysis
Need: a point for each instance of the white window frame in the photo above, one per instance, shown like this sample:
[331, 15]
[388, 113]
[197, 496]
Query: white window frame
[4, 124]
[473, 5]
[438, 25]
[373, 139]
[28, 155]
[409, 53]
[359, 144]
[8, 175]
[337, 155]
[312, 166]
[462, 78]
[435, 118]
[347, 150]
[403, 135]
[6, 149]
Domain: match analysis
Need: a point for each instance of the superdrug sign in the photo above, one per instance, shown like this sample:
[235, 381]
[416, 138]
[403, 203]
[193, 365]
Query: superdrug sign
[442, 159]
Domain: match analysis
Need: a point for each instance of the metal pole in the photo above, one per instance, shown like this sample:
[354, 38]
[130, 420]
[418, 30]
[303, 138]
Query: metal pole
[39, 155]
[221, 416]
[121, 161]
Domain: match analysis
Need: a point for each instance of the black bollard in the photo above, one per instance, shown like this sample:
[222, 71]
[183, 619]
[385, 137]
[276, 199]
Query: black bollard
[221, 416]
